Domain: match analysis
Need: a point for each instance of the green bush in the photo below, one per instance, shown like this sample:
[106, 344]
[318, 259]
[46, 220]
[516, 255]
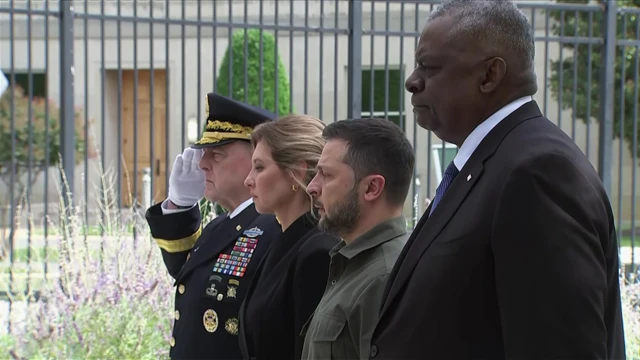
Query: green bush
[270, 62]
[29, 142]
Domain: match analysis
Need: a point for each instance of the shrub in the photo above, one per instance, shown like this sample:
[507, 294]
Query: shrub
[234, 87]
[23, 136]
[270, 62]
[581, 71]
[113, 302]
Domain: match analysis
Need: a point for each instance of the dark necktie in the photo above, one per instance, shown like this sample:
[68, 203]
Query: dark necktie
[449, 174]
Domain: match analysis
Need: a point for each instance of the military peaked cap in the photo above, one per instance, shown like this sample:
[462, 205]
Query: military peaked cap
[228, 120]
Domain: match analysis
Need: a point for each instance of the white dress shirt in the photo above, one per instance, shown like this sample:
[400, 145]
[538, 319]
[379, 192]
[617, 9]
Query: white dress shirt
[480, 132]
[233, 214]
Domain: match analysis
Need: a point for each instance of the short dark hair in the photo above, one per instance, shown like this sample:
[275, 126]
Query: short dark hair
[377, 146]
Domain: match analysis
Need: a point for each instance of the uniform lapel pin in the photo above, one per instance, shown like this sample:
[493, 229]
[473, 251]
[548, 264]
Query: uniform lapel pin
[469, 177]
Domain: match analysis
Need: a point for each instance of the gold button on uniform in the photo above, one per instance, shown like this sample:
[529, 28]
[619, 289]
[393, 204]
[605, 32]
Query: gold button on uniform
[172, 341]
[176, 315]
[181, 289]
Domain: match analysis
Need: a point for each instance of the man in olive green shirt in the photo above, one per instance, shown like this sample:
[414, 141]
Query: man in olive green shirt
[363, 179]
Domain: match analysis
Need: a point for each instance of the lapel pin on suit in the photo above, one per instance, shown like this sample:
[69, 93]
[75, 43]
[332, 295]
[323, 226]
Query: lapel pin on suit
[469, 178]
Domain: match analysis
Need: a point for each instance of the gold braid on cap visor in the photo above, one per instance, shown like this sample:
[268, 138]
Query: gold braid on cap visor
[229, 131]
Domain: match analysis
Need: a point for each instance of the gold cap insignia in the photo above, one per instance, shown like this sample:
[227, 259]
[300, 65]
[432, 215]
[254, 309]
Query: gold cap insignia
[217, 131]
[231, 325]
[210, 320]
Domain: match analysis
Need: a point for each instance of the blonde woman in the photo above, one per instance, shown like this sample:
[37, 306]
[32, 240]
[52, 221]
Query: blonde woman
[292, 277]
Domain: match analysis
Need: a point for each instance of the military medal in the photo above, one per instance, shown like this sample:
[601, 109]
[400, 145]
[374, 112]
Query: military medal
[210, 320]
[231, 325]
[211, 290]
[231, 291]
[235, 264]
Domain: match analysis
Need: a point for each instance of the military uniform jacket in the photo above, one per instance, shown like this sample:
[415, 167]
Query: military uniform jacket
[285, 292]
[213, 269]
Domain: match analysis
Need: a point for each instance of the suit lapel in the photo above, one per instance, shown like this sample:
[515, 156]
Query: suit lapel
[431, 226]
[221, 237]
[403, 254]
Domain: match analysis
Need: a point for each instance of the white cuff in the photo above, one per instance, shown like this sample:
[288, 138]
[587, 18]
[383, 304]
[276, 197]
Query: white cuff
[166, 211]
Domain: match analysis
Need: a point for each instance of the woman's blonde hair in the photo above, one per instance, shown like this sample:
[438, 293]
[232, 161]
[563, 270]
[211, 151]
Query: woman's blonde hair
[293, 139]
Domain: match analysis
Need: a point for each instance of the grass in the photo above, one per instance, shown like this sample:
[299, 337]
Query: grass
[626, 241]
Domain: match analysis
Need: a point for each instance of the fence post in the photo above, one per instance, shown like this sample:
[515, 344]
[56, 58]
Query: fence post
[354, 67]
[146, 188]
[605, 165]
[67, 111]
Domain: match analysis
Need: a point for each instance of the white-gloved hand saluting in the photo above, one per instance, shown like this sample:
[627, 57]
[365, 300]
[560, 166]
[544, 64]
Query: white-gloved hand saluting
[186, 182]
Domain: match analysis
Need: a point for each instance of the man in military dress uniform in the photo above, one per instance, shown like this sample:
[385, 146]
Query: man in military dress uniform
[212, 266]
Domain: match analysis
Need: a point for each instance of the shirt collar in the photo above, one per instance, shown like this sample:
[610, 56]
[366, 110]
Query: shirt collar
[240, 208]
[379, 234]
[480, 132]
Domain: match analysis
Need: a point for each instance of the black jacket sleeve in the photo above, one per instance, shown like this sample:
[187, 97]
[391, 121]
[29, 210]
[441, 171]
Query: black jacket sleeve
[175, 234]
[551, 244]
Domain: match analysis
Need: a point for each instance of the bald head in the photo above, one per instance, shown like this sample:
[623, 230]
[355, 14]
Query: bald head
[496, 26]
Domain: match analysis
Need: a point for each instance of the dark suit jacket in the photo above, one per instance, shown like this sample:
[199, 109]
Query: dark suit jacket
[518, 261]
[212, 275]
[286, 291]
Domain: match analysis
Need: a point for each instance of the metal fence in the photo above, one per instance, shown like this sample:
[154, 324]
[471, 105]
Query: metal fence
[117, 89]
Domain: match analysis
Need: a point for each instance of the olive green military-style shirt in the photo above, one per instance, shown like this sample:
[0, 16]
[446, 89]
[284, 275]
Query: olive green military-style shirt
[343, 323]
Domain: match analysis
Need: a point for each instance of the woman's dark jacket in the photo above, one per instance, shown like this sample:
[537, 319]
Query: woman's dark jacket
[285, 291]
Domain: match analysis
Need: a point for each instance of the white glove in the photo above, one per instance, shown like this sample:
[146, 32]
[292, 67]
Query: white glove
[186, 182]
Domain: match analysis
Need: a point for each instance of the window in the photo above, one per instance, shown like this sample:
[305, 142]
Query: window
[39, 81]
[443, 155]
[379, 87]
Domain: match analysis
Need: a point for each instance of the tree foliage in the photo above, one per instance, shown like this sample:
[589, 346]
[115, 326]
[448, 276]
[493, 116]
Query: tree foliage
[231, 77]
[270, 62]
[30, 144]
[37, 142]
[586, 65]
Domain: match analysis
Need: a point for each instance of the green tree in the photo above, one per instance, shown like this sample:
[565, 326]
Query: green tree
[25, 148]
[235, 59]
[270, 62]
[578, 24]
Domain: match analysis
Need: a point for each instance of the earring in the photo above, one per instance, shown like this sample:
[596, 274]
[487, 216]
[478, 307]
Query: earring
[294, 187]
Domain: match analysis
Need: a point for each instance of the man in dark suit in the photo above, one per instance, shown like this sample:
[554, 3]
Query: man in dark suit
[516, 257]
[212, 266]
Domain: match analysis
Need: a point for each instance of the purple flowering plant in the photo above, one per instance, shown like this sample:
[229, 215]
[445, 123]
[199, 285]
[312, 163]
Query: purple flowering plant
[111, 297]
[630, 292]
[106, 296]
